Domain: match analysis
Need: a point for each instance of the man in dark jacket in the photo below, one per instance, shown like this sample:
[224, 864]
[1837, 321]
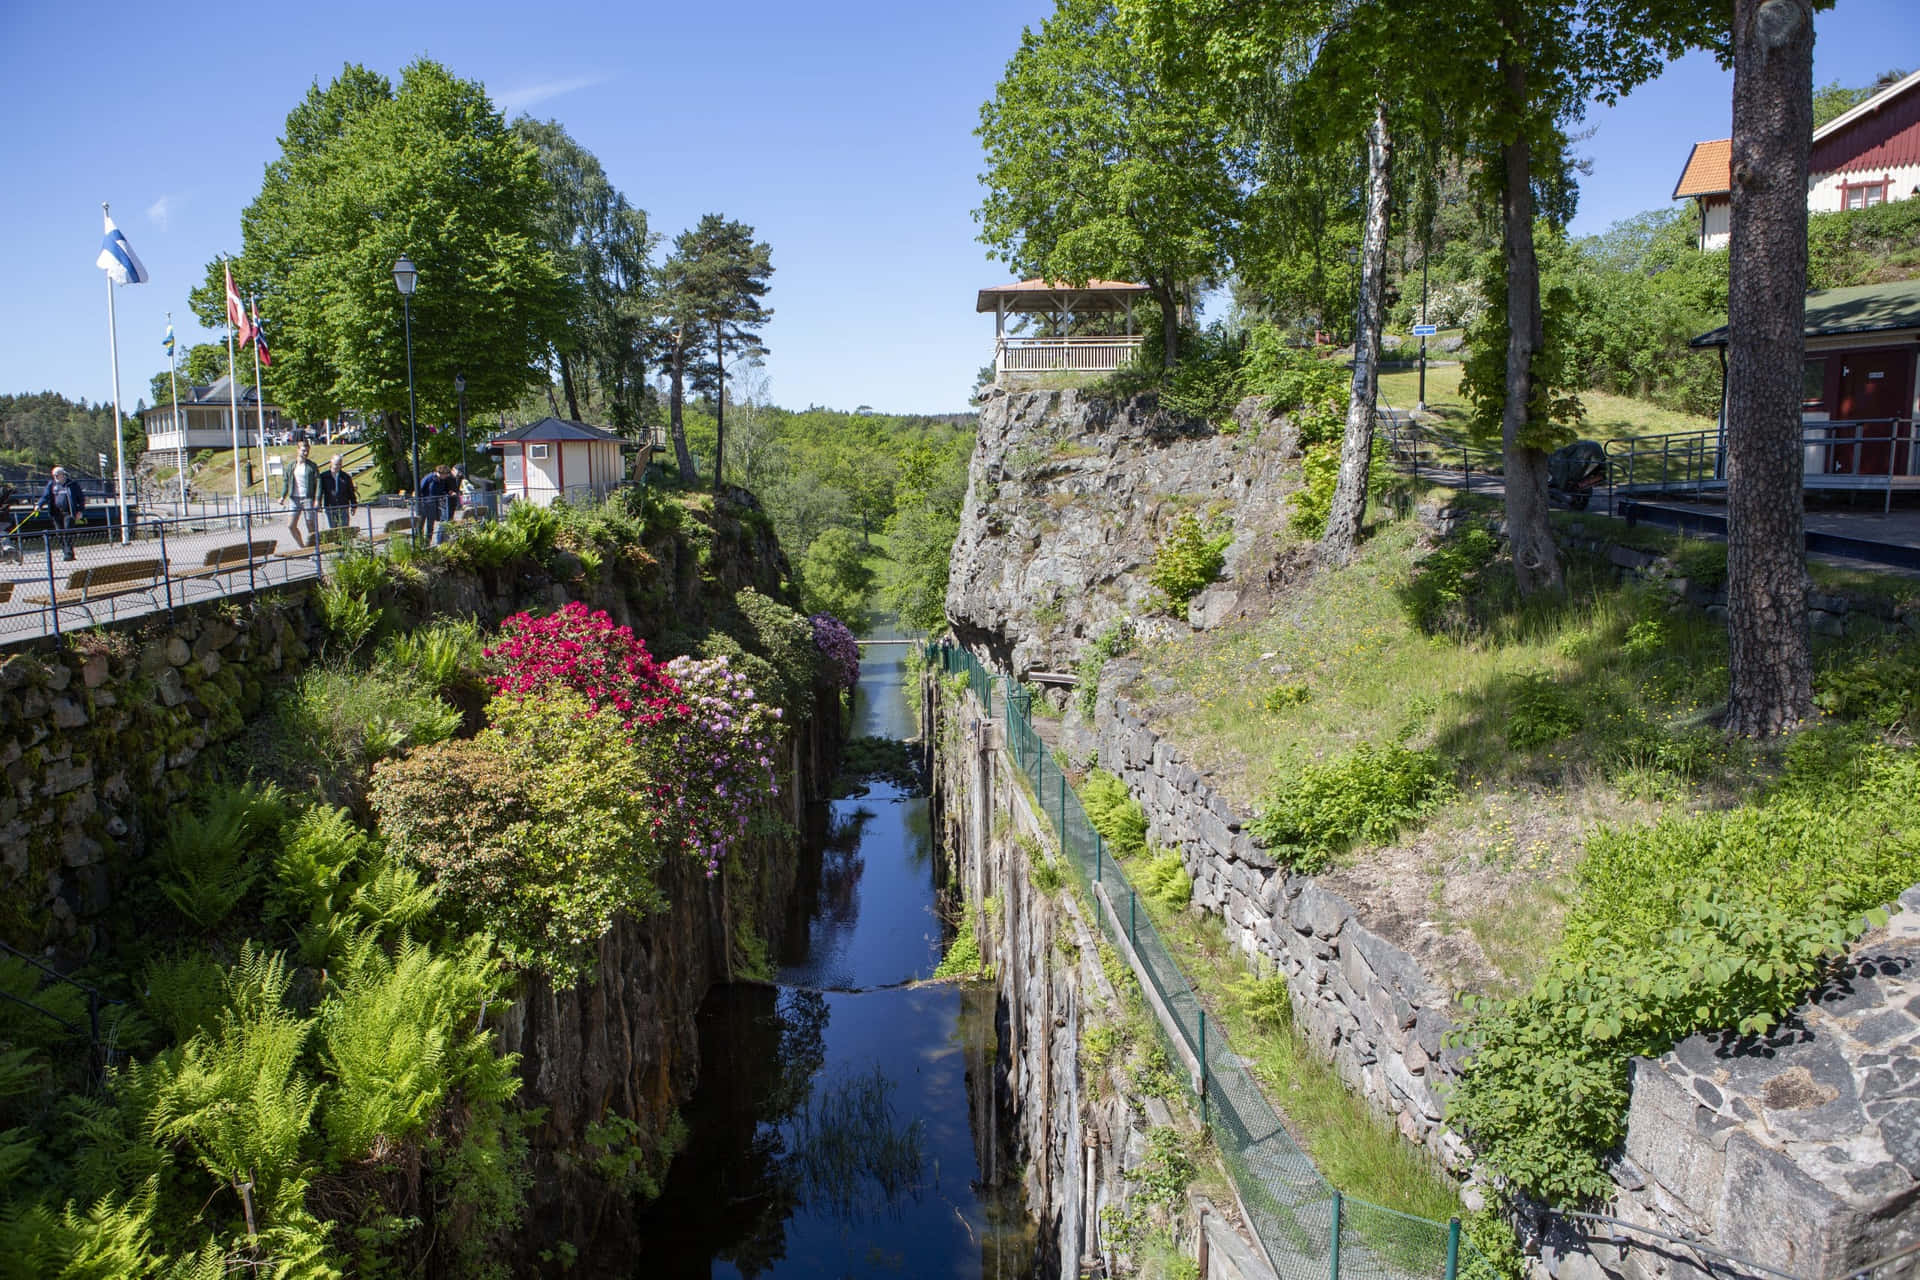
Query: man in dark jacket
[63, 500]
[302, 492]
[337, 494]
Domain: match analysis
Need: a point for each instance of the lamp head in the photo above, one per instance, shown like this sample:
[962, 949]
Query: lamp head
[404, 276]
[460, 383]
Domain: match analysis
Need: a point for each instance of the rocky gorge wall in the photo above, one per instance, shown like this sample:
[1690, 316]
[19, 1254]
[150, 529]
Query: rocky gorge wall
[1067, 497]
[1078, 1134]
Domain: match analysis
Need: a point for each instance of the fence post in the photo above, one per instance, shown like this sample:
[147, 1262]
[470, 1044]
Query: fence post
[1133, 917]
[1453, 1248]
[1063, 811]
[246, 517]
[1203, 1083]
[53, 594]
[166, 565]
[1099, 854]
[1333, 1272]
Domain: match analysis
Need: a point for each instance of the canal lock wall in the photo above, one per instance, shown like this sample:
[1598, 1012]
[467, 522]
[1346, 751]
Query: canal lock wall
[1076, 1135]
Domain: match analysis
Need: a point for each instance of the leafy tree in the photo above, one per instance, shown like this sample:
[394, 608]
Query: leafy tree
[368, 172]
[1098, 166]
[604, 245]
[714, 283]
[834, 577]
[1833, 100]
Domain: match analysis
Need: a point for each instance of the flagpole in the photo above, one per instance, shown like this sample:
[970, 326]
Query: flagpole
[173, 376]
[119, 432]
[259, 392]
[233, 396]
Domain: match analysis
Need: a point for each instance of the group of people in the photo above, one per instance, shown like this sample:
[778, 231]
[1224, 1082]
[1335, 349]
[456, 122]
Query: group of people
[309, 490]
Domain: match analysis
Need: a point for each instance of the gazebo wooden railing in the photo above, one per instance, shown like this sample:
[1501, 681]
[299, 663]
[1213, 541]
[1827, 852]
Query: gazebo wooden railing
[1064, 355]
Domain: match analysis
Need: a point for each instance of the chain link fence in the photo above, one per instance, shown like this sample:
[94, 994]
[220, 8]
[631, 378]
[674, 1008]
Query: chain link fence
[1306, 1227]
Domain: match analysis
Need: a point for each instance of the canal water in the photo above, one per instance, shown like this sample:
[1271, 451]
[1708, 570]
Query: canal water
[846, 1123]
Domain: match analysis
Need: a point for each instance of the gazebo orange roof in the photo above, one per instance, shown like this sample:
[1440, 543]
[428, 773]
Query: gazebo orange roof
[1054, 295]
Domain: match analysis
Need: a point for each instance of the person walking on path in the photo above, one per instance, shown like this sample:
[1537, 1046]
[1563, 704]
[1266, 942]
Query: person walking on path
[438, 497]
[302, 489]
[337, 494]
[63, 500]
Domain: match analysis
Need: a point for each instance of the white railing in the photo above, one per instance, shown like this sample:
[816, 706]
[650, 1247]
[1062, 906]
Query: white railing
[1064, 355]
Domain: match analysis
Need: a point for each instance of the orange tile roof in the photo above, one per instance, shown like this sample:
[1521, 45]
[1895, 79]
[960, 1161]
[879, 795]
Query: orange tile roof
[1709, 170]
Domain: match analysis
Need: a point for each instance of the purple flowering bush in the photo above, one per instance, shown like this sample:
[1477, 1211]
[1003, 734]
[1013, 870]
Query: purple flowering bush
[716, 762]
[839, 648]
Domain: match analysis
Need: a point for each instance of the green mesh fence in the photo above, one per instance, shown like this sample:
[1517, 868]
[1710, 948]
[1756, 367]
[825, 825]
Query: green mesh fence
[1307, 1228]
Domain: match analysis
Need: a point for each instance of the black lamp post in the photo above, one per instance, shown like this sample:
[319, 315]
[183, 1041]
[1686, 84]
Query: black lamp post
[404, 279]
[460, 389]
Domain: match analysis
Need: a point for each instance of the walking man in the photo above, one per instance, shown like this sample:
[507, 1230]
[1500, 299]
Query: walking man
[63, 500]
[302, 489]
[337, 494]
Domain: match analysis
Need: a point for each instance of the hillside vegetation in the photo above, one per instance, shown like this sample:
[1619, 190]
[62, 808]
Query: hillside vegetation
[1534, 797]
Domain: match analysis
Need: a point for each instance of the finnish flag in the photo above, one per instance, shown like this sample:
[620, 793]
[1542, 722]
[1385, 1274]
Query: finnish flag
[117, 258]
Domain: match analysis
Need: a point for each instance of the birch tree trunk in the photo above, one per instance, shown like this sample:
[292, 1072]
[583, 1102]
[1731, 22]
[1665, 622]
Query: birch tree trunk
[1536, 560]
[1769, 648]
[1349, 510]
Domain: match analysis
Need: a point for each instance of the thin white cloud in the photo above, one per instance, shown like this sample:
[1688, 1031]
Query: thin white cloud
[157, 211]
[526, 96]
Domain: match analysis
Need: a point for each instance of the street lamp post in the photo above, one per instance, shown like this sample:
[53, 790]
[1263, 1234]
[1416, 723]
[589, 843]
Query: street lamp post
[460, 389]
[404, 279]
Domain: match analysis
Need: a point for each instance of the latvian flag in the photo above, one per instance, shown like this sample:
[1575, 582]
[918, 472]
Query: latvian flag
[259, 334]
[117, 258]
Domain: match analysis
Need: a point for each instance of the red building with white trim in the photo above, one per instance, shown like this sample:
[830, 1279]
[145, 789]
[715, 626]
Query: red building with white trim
[1866, 156]
[551, 458]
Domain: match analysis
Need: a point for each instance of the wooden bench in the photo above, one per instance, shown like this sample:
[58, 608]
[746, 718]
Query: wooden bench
[402, 525]
[102, 581]
[6, 592]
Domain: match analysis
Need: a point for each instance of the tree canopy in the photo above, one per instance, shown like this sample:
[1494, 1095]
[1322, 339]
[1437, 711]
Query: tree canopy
[368, 172]
[1098, 166]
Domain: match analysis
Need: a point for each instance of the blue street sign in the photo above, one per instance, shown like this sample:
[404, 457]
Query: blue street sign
[1425, 330]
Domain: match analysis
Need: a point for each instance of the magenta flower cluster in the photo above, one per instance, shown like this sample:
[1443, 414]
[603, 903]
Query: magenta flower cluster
[841, 650]
[720, 764]
[607, 665]
[707, 743]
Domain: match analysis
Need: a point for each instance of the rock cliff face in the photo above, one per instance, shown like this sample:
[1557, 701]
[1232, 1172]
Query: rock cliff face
[1068, 495]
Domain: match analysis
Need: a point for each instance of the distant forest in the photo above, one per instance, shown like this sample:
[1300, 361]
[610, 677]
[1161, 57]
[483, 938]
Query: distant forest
[41, 428]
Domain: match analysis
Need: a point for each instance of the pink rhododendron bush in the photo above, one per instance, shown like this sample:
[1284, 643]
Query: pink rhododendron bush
[838, 647]
[597, 764]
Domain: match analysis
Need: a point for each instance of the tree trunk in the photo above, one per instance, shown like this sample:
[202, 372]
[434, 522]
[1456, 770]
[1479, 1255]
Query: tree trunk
[1770, 656]
[1169, 322]
[566, 384]
[719, 407]
[1349, 510]
[393, 425]
[1536, 561]
[677, 427]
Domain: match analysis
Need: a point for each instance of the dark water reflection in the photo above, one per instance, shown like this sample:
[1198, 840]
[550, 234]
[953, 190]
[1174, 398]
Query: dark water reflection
[839, 1129]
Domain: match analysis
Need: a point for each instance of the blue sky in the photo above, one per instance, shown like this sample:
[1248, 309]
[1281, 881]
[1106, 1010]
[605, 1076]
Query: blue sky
[841, 131]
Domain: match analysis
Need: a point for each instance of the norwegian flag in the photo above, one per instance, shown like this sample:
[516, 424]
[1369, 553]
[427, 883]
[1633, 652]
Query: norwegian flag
[237, 314]
[259, 335]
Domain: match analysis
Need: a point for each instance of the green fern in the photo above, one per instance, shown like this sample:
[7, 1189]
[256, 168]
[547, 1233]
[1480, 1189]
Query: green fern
[394, 898]
[33, 1007]
[205, 858]
[439, 656]
[320, 849]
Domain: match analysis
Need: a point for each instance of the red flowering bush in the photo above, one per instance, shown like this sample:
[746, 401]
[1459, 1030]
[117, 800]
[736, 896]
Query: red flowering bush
[839, 648]
[584, 652]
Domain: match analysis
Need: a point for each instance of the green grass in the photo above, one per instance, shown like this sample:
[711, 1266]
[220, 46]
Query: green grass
[216, 478]
[1556, 717]
[1608, 416]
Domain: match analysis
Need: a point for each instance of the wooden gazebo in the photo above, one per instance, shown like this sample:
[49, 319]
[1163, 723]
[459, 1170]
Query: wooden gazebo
[1060, 350]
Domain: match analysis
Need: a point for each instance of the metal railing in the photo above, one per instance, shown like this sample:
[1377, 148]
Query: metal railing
[1305, 1225]
[1864, 454]
[84, 575]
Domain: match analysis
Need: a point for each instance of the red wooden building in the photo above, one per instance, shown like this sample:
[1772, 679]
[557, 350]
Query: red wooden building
[1866, 156]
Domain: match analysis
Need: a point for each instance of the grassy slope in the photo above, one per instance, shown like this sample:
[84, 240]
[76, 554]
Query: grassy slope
[1479, 888]
[1608, 416]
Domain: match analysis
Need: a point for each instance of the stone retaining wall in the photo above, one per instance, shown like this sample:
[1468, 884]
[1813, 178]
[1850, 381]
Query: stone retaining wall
[1361, 1000]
